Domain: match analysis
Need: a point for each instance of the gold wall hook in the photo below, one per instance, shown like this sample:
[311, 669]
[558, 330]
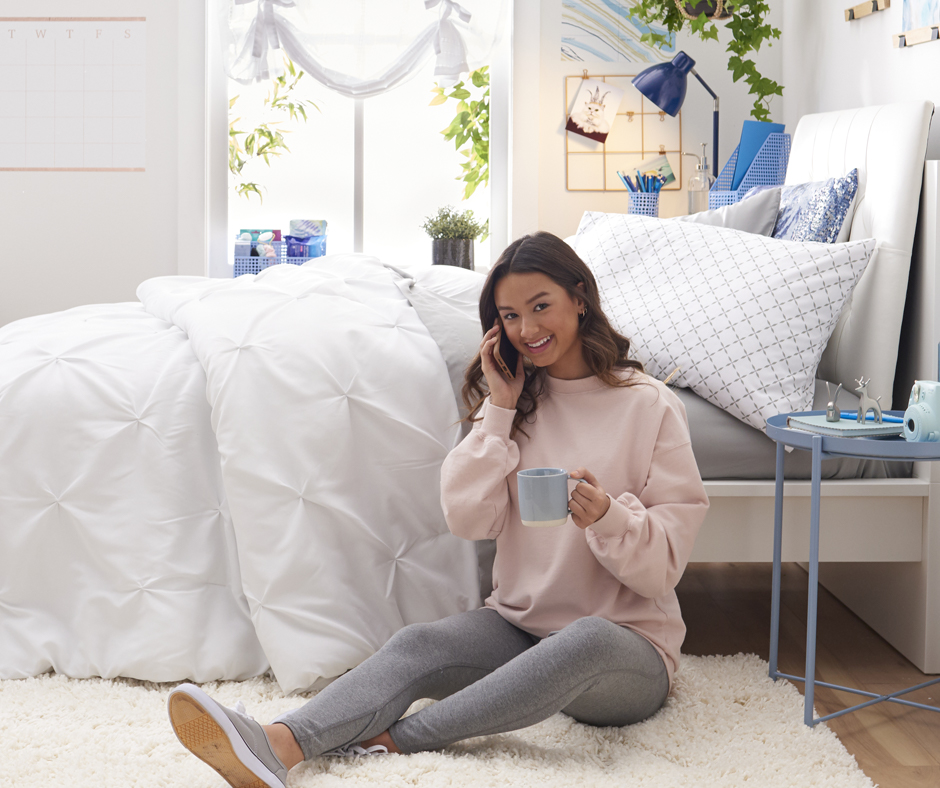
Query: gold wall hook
[662, 150]
[630, 117]
[662, 117]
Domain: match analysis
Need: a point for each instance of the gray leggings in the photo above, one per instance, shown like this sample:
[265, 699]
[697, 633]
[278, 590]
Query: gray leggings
[490, 677]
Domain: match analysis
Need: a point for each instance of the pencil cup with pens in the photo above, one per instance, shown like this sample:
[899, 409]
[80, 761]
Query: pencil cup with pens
[644, 204]
[643, 193]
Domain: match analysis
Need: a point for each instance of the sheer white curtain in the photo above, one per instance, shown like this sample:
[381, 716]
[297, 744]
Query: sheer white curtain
[368, 49]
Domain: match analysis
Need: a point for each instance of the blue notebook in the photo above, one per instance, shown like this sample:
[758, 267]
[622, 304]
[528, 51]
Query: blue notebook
[754, 134]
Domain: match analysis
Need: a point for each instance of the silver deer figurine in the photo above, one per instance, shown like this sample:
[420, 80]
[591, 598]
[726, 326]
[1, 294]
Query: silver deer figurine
[832, 409]
[866, 403]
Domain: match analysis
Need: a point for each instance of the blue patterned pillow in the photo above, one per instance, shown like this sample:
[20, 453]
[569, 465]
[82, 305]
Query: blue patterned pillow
[815, 211]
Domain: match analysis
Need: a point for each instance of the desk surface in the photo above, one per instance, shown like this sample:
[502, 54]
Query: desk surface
[893, 447]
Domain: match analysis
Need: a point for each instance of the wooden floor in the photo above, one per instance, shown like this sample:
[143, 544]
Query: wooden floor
[726, 608]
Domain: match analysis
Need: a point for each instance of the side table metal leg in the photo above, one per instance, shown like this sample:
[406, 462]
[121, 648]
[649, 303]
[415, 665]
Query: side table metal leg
[778, 539]
[811, 605]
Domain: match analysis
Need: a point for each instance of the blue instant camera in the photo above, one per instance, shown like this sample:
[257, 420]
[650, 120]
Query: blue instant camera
[922, 417]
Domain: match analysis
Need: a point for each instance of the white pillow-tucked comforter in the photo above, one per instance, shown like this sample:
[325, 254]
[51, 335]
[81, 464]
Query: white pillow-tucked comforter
[293, 520]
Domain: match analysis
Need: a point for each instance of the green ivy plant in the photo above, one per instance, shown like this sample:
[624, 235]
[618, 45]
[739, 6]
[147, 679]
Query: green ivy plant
[470, 125]
[447, 223]
[266, 140]
[749, 31]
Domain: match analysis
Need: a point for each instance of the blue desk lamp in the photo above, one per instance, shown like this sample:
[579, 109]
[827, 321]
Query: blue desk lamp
[664, 84]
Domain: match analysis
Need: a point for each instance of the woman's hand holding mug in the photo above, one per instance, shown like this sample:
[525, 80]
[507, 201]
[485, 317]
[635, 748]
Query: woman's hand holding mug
[588, 501]
[503, 393]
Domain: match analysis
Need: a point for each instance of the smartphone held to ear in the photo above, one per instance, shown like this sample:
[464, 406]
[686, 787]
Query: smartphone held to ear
[507, 357]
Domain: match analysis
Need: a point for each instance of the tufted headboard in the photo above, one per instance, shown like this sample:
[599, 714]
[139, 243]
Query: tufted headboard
[888, 145]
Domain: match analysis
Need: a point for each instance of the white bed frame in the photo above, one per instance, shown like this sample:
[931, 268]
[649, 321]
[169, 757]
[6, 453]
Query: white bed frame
[879, 537]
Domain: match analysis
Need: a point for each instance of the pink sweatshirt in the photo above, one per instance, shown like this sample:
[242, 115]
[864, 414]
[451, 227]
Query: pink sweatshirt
[625, 566]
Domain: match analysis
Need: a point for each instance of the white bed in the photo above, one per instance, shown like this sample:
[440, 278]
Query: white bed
[236, 476]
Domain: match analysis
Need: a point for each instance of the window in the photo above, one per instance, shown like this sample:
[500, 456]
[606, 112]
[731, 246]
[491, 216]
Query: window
[409, 170]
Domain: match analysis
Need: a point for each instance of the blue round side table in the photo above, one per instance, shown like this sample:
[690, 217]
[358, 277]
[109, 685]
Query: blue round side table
[823, 447]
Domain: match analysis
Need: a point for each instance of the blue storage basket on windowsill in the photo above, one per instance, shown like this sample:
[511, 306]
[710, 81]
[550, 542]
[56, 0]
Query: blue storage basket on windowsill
[769, 168]
[254, 265]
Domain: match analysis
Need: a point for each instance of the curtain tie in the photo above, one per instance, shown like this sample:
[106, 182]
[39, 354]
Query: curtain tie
[266, 36]
[448, 45]
[449, 5]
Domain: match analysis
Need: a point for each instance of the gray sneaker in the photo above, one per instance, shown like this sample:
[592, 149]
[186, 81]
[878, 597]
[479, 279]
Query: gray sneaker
[230, 741]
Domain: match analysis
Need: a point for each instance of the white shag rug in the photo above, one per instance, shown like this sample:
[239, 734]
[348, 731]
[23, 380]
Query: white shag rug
[726, 724]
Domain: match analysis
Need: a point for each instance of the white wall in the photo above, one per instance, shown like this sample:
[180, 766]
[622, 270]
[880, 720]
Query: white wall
[93, 237]
[831, 64]
[540, 198]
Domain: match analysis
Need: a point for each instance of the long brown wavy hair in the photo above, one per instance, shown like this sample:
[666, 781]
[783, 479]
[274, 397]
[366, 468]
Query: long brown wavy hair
[604, 349]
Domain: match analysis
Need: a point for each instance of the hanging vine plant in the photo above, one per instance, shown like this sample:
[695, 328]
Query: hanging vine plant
[470, 125]
[747, 21]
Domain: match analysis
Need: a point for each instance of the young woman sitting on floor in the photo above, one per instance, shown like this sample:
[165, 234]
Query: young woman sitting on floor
[583, 617]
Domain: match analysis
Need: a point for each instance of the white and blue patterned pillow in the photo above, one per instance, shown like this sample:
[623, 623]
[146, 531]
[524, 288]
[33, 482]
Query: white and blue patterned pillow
[746, 317]
[815, 211]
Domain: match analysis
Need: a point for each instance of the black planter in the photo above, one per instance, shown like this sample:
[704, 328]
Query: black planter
[713, 9]
[452, 251]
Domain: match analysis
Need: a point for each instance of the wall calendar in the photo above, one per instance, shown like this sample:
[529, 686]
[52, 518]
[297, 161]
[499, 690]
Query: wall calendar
[73, 93]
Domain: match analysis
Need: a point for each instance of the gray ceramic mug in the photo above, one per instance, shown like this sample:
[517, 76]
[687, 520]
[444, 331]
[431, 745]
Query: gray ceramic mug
[543, 496]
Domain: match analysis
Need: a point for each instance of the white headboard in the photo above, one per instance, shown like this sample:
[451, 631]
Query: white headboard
[888, 145]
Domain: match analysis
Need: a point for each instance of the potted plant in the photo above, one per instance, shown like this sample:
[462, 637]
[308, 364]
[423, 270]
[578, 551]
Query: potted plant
[747, 21]
[452, 235]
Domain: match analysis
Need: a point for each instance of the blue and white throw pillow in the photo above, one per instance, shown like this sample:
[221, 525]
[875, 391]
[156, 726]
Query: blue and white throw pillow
[815, 211]
[745, 317]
